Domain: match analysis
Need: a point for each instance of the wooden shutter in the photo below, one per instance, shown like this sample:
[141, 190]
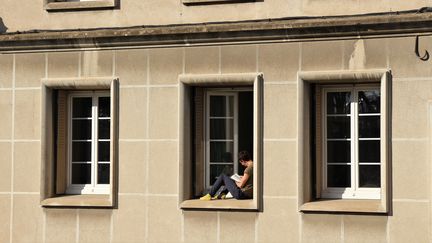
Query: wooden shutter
[318, 140]
[199, 139]
[62, 128]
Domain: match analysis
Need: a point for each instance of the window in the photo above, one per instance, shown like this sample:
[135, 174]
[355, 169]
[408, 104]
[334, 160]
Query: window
[79, 142]
[220, 116]
[343, 133]
[351, 142]
[53, 5]
[228, 130]
[89, 143]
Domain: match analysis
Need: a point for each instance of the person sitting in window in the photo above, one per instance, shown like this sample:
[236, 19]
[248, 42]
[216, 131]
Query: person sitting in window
[242, 189]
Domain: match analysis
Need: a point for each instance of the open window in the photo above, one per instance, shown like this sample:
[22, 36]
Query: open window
[79, 143]
[344, 132]
[225, 129]
[220, 118]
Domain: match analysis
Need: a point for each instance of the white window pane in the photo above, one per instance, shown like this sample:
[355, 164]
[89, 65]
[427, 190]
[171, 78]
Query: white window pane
[339, 176]
[338, 151]
[221, 151]
[369, 151]
[338, 127]
[369, 126]
[369, 176]
[82, 107]
[81, 173]
[81, 151]
[338, 102]
[369, 101]
[221, 128]
[81, 129]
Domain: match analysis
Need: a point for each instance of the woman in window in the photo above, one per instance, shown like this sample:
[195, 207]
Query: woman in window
[241, 189]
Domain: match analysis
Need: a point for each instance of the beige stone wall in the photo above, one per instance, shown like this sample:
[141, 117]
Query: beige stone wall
[148, 164]
[21, 15]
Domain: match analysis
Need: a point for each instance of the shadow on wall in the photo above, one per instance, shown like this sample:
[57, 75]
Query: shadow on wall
[3, 27]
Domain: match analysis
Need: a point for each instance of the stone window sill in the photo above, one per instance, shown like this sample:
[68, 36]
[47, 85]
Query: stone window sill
[54, 6]
[214, 1]
[220, 205]
[103, 201]
[344, 206]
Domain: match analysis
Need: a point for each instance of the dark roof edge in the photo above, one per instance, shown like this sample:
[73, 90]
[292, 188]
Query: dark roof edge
[283, 29]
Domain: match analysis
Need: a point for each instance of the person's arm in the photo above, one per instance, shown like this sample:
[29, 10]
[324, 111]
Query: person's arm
[243, 180]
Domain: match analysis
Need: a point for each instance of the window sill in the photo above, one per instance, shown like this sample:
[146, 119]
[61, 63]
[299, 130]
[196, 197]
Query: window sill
[344, 206]
[103, 201]
[53, 6]
[220, 205]
[214, 1]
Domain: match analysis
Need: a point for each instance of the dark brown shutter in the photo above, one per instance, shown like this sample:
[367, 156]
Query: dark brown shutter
[62, 128]
[318, 137]
[199, 141]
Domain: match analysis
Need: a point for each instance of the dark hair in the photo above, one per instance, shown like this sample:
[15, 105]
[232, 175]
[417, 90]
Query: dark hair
[244, 155]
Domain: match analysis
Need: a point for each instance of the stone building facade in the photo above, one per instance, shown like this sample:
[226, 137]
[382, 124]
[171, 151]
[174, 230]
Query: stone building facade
[337, 96]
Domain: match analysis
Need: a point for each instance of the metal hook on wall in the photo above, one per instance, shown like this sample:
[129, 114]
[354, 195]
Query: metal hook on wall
[425, 57]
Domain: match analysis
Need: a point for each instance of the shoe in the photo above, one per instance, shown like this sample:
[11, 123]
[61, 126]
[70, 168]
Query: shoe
[206, 197]
[229, 195]
[222, 196]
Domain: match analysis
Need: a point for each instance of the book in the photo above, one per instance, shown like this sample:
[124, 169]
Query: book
[236, 177]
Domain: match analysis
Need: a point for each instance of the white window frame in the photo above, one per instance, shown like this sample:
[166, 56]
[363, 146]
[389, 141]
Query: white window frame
[353, 192]
[208, 163]
[93, 187]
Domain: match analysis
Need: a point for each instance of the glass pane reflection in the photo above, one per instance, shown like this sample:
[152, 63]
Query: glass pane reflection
[216, 170]
[369, 101]
[338, 102]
